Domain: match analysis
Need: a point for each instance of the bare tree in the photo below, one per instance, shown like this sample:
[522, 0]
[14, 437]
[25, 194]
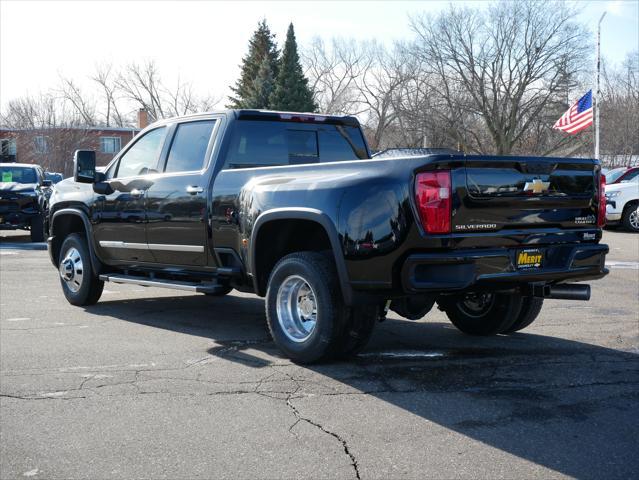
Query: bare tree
[82, 105]
[332, 72]
[109, 88]
[378, 85]
[620, 112]
[499, 68]
[142, 84]
[42, 111]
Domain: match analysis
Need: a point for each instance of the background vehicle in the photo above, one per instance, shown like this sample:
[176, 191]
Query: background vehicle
[53, 177]
[291, 207]
[23, 198]
[622, 174]
[622, 204]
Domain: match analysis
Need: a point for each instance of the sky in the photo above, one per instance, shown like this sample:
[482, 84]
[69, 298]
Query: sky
[203, 41]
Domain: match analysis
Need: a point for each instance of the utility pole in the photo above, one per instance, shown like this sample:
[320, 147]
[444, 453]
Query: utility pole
[598, 92]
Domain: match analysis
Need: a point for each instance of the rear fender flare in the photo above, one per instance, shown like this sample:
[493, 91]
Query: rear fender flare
[313, 215]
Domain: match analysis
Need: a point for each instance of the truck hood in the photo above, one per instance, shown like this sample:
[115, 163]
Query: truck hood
[17, 187]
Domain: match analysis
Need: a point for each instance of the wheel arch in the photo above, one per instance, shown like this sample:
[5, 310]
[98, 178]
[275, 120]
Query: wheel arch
[322, 220]
[627, 213]
[64, 222]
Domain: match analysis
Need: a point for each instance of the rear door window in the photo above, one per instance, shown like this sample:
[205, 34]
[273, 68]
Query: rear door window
[189, 146]
[257, 143]
[630, 176]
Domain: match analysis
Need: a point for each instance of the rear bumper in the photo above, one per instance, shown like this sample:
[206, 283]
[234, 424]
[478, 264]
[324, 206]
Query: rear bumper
[462, 270]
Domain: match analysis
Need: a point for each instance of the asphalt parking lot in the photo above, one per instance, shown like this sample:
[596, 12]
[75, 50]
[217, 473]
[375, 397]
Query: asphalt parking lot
[153, 383]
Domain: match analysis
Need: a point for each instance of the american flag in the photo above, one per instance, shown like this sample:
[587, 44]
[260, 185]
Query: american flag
[577, 117]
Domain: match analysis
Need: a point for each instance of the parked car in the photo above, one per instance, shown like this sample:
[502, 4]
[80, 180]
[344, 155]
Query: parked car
[54, 177]
[622, 204]
[23, 198]
[622, 174]
[292, 208]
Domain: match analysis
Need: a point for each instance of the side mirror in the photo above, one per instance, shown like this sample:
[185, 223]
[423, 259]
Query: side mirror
[47, 183]
[84, 166]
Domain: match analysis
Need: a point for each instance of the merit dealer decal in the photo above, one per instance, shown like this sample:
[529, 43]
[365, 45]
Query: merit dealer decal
[529, 259]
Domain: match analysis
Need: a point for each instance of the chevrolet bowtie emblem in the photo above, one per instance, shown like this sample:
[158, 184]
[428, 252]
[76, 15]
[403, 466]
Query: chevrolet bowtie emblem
[536, 186]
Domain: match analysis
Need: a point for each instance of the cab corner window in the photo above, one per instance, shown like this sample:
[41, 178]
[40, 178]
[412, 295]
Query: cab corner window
[142, 157]
[189, 146]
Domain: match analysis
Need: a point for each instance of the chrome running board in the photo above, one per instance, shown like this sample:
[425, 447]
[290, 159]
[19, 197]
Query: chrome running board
[200, 287]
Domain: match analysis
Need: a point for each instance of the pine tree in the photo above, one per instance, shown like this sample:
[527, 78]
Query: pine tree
[291, 87]
[262, 87]
[262, 45]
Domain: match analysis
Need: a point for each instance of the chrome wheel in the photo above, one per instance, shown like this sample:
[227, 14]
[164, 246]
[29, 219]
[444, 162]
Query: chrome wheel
[71, 269]
[476, 304]
[633, 219]
[296, 308]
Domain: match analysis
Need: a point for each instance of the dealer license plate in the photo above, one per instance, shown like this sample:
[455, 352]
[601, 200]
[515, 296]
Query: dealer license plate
[530, 259]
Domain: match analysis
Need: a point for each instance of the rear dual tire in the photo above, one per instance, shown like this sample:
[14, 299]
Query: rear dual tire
[306, 314]
[486, 313]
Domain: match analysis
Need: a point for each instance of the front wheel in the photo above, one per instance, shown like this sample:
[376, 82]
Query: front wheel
[37, 229]
[305, 312]
[630, 217]
[80, 284]
[482, 313]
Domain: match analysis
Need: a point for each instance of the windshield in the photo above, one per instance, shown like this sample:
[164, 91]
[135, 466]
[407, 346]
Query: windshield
[18, 175]
[613, 175]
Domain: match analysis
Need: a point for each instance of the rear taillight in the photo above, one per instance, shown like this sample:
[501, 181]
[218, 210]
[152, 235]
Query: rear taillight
[432, 195]
[601, 218]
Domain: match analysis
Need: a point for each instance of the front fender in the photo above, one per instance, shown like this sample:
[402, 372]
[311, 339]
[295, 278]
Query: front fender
[55, 239]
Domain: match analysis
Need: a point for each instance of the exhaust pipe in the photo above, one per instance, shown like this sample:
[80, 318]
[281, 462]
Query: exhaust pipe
[563, 292]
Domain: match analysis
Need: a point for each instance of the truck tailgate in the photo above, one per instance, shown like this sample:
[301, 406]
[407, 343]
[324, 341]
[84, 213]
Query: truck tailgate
[520, 192]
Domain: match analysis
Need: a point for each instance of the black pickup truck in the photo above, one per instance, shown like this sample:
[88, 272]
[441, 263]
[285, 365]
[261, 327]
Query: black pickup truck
[24, 193]
[292, 208]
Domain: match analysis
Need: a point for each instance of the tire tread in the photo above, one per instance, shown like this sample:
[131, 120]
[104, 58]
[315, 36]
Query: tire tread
[333, 309]
[90, 292]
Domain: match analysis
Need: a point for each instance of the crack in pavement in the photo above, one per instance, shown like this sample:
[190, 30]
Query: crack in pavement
[299, 418]
[379, 372]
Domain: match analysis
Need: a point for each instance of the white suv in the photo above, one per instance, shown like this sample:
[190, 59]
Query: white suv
[622, 204]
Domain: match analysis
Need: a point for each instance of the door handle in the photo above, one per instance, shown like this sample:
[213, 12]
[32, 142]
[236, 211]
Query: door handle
[137, 193]
[193, 190]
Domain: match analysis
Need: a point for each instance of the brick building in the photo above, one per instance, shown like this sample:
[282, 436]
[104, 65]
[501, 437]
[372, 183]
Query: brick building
[53, 147]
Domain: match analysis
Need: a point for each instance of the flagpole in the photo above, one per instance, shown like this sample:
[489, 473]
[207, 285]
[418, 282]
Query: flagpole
[598, 92]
